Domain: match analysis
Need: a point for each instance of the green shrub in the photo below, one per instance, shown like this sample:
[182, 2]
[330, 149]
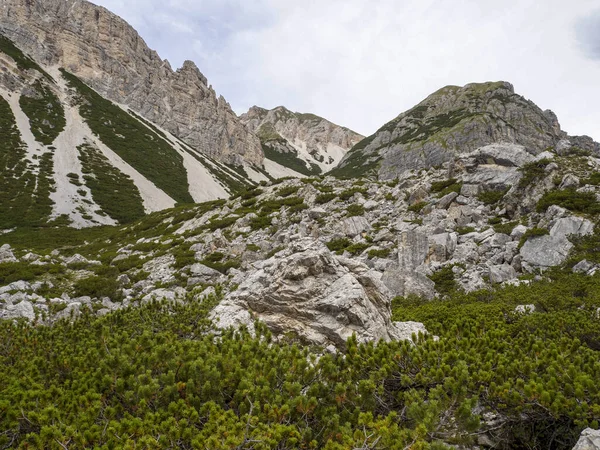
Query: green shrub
[379, 253]
[97, 286]
[287, 191]
[261, 222]
[339, 244]
[505, 228]
[357, 249]
[417, 207]
[45, 112]
[492, 197]
[581, 202]
[533, 171]
[325, 198]
[464, 230]
[445, 187]
[115, 193]
[349, 193]
[355, 210]
[444, 280]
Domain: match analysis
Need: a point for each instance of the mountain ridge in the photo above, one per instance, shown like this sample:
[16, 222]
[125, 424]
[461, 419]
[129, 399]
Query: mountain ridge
[107, 53]
[303, 142]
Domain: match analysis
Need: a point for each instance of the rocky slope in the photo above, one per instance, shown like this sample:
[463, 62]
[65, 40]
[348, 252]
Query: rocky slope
[69, 154]
[109, 55]
[303, 143]
[323, 258]
[454, 121]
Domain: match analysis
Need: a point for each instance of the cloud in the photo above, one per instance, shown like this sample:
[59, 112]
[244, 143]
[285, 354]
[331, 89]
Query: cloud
[360, 63]
[588, 34]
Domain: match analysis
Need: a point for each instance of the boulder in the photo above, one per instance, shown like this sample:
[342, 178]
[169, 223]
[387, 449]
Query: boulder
[502, 273]
[413, 247]
[525, 309]
[545, 251]
[446, 200]
[441, 247]
[575, 226]
[353, 226]
[204, 274]
[6, 254]
[504, 154]
[312, 294]
[23, 309]
[589, 440]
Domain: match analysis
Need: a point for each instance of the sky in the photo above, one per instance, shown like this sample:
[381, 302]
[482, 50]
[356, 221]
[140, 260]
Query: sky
[360, 63]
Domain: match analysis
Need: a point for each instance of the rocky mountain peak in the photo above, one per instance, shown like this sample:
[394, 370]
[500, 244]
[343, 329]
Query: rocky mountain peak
[305, 143]
[190, 67]
[456, 120]
[105, 52]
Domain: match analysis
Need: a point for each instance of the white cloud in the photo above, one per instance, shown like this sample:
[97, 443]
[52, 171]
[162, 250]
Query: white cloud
[361, 62]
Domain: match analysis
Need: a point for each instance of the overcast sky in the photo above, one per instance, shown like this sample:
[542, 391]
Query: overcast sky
[360, 63]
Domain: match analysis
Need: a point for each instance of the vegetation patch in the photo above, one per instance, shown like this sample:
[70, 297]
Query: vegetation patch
[24, 196]
[445, 187]
[355, 210]
[444, 280]
[418, 207]
[45, 112]
[579, 202]
[138, 145]
[111, 189]
[492, 197]
[533, 172]
[290, 160]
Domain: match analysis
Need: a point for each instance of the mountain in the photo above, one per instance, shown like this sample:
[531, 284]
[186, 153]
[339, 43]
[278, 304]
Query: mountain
[454, 121]
[304, 144]
[71, 155]
[107, 54]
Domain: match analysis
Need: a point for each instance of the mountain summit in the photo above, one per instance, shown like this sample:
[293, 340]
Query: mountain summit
[457, 120]
[304, 143]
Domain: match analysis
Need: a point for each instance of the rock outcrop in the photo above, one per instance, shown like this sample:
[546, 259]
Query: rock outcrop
[589, 440]
[109, 55]
[310, 139]
[321, 298]
[455, 121]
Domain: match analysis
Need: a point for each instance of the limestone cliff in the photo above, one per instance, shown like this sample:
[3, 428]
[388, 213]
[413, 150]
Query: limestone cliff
[108, 54]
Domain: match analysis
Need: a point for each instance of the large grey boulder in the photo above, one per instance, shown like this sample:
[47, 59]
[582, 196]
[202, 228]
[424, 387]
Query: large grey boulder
[441, 247]
[320, 298]
[503, 154]
[589, 440]
[23, 309]
[502, 273]
[413, 247]
[553, 249]
[6, 254]
[546, 251]
[402, 283]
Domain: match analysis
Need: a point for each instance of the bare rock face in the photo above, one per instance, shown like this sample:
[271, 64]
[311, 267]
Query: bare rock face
[455, 121]
[589, 440]
[313, 139]
[108, 54]
[322, 298]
